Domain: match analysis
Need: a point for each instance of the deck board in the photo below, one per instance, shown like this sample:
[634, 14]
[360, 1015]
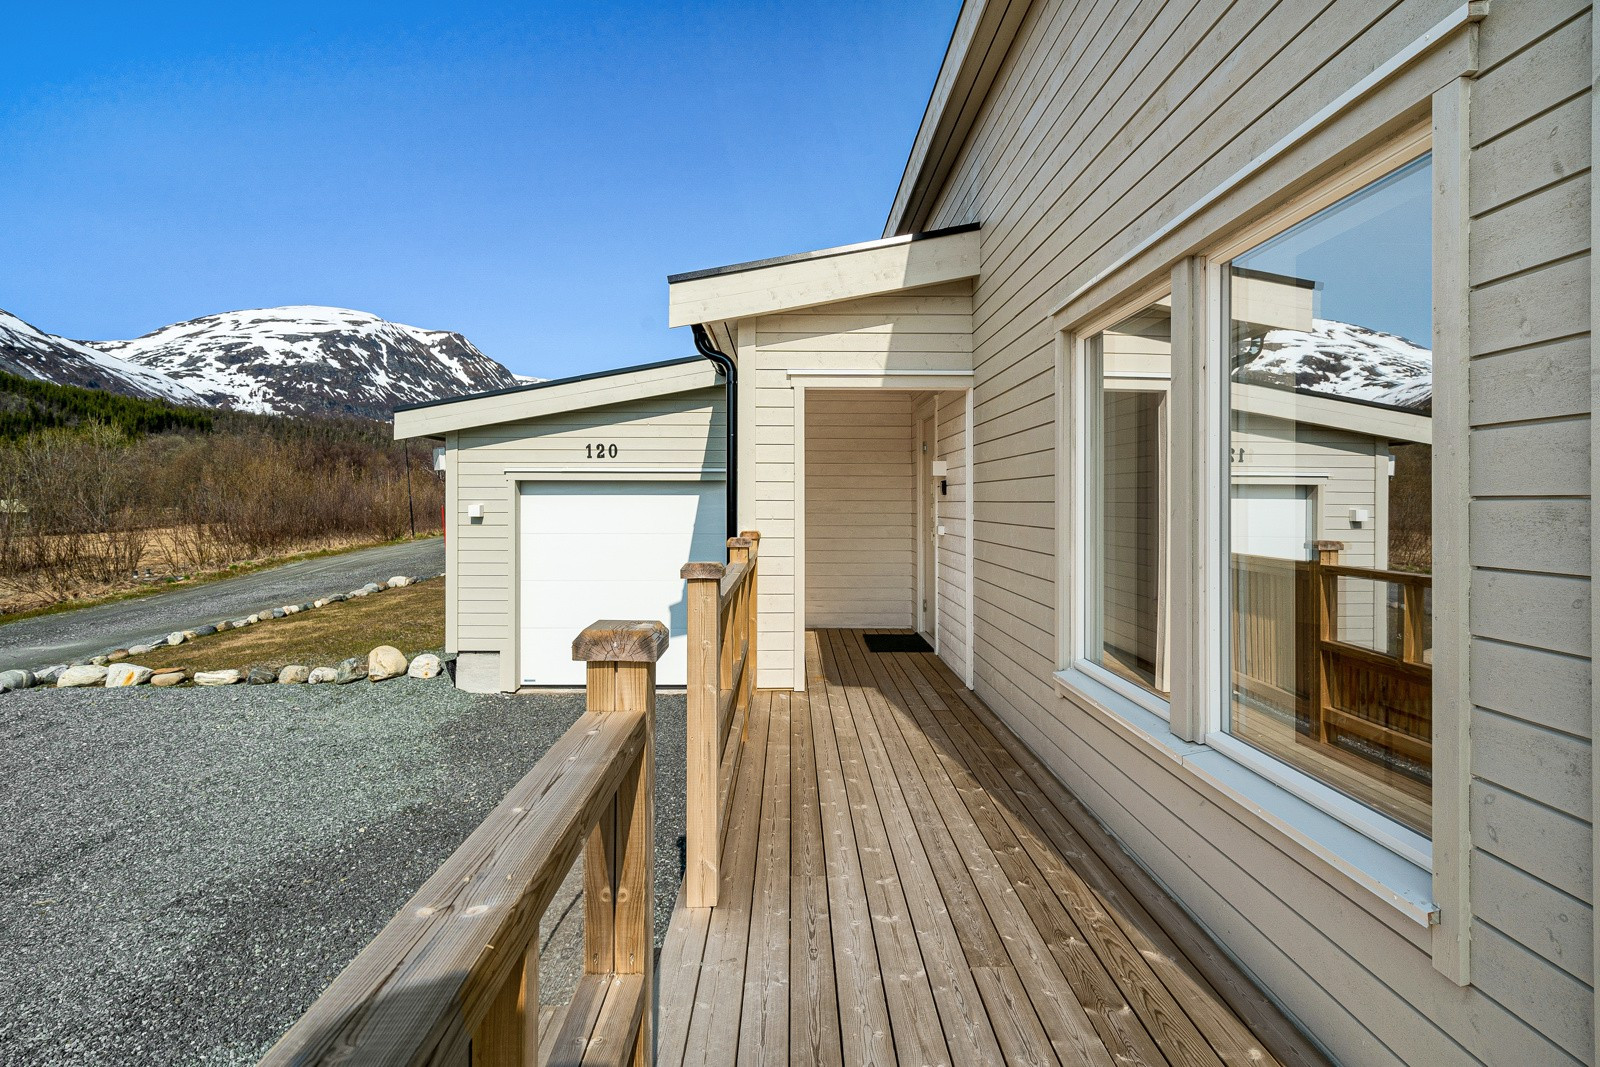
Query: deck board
[904, 882]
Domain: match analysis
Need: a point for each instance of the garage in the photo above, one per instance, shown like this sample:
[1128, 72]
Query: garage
[574, 500]
[609, 549]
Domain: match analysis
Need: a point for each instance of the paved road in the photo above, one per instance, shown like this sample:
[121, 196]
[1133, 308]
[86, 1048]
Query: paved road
[73, 635]
[182, 871]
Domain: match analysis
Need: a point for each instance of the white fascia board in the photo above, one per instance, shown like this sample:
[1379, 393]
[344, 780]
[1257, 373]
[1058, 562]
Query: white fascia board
[518, 404]
[869, 269]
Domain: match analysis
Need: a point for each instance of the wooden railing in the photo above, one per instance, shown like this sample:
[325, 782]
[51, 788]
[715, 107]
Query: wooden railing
[1333, 685]
[454, 977]
[722, 681]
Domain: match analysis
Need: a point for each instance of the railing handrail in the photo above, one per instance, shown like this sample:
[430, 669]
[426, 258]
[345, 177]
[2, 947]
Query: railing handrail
[456, 970]
[733, 580]
[1342, 570]
[722, 602]
[1376, 574]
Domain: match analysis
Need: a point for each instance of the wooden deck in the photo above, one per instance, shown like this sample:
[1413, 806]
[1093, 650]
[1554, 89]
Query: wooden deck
[903, 882]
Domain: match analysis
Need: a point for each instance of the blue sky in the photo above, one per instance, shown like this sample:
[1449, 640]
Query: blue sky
[527, 174]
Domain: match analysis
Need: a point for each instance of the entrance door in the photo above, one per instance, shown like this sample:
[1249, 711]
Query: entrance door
[609, 550]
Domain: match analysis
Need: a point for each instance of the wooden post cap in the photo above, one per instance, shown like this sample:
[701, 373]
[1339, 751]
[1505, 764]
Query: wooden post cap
[750, 535]
[620, 641]
[1328, 546]
[702, 570]
[740, 542]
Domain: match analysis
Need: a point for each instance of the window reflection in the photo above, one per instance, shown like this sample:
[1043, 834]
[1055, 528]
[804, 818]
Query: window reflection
[1330, 507]
[1130, 376]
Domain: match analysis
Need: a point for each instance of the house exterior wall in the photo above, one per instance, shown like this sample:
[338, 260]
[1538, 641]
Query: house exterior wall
[861, 521]
[926, 329]
[1106, 121]
[949, 412]
[671, 435]
[953, 574]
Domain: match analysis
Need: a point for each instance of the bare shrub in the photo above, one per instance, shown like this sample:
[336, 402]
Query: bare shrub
[1411, 509]
[79, 509]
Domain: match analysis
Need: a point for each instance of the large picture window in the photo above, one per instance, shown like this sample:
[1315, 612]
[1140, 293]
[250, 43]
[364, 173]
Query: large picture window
[1128, 372]
[1330, 387]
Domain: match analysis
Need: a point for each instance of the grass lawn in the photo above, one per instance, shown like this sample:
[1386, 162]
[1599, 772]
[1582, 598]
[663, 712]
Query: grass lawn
[411, 619]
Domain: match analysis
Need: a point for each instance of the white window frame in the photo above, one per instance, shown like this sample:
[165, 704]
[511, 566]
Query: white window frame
[1392, 861]
[1214, 421]
[1077, 597]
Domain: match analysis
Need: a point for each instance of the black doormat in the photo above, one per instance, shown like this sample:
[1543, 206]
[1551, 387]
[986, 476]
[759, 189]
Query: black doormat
[896, 643]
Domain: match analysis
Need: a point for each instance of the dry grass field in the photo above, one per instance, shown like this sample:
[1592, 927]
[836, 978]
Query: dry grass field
[162, 556]
[411, 619]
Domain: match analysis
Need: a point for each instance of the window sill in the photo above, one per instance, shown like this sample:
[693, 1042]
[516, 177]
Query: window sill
[1394, 881]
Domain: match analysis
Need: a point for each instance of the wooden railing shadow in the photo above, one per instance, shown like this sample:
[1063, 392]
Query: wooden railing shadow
[722, 681]
[454, 977]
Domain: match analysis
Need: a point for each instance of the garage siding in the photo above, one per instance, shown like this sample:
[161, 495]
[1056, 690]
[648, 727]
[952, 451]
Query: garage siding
[672, 432]
[1105, 121]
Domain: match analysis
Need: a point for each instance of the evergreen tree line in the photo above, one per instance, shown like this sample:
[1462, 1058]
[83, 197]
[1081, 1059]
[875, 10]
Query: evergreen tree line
[28, 406]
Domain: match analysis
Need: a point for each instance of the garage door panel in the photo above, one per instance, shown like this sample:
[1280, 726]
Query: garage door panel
[1277, 521]
[593, 550]
[551, 557]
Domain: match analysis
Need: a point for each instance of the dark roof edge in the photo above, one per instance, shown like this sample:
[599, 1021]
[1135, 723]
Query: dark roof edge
[549, 384]
[821, 253]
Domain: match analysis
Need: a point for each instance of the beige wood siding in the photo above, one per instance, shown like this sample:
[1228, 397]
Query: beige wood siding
[948, 412]
[1529, 528]
[1106, 120]
[953, 570]
[672, 433]
[861, 524]
[918, 330]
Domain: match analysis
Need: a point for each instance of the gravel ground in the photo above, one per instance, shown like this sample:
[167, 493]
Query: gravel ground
[185, 870]
[72, 635]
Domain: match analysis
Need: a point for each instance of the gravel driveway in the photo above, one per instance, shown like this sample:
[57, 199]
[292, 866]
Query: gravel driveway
[185, 870]
[72, 635]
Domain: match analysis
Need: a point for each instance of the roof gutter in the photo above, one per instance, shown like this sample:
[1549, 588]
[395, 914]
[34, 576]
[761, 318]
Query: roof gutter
[730, 374]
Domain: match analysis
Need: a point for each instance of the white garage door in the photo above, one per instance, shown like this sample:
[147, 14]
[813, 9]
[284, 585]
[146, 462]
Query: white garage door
[1273, 520]
[609, 550]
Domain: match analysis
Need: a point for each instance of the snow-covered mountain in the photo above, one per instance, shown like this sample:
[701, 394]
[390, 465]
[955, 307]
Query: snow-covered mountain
[1340, 359]
[311, 361]
[28, 351]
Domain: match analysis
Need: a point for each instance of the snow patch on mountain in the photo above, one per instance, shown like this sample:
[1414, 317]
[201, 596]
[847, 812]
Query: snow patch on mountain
[30, 352]
[310, 360]
[1344, 360]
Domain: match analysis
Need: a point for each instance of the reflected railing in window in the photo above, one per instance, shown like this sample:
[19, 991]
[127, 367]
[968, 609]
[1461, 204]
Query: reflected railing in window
[1346, 692]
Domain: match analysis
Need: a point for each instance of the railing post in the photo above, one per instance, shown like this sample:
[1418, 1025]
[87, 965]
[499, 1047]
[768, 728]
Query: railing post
[738, 552]
[752, 614]
[1412, 620]
[509, 1034]
[1325, 613]
[619, 860]
[703, 810]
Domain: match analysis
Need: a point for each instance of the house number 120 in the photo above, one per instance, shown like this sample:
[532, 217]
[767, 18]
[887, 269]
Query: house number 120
[601, 451]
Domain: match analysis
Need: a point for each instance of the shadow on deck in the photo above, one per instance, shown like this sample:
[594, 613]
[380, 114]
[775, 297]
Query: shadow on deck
[903, 882]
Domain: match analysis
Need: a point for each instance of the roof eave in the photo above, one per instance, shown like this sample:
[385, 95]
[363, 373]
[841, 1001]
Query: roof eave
[826, 276]
[436, 417]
